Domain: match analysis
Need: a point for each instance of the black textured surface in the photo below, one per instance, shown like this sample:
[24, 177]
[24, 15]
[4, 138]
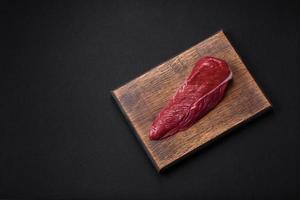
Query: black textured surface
[62, 135]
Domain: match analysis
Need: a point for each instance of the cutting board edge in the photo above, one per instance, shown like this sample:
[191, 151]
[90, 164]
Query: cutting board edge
[240, 58]
[221, 31]
[149, 155]
[211, 141]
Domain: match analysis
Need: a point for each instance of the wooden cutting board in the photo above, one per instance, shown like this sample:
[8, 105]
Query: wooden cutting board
[143, 97]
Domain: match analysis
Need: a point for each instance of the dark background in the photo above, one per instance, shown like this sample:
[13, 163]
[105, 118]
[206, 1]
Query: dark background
[62, 135]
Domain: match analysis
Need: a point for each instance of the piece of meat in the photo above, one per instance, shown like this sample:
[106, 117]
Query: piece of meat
[199, 93]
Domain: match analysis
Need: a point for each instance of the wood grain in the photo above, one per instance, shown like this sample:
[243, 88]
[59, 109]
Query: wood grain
[142, 98]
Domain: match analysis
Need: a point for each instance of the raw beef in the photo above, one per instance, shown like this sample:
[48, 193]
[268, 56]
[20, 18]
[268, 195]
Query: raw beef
[199, 93]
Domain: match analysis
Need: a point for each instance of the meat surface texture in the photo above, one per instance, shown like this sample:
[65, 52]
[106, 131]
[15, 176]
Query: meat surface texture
[199, 93]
